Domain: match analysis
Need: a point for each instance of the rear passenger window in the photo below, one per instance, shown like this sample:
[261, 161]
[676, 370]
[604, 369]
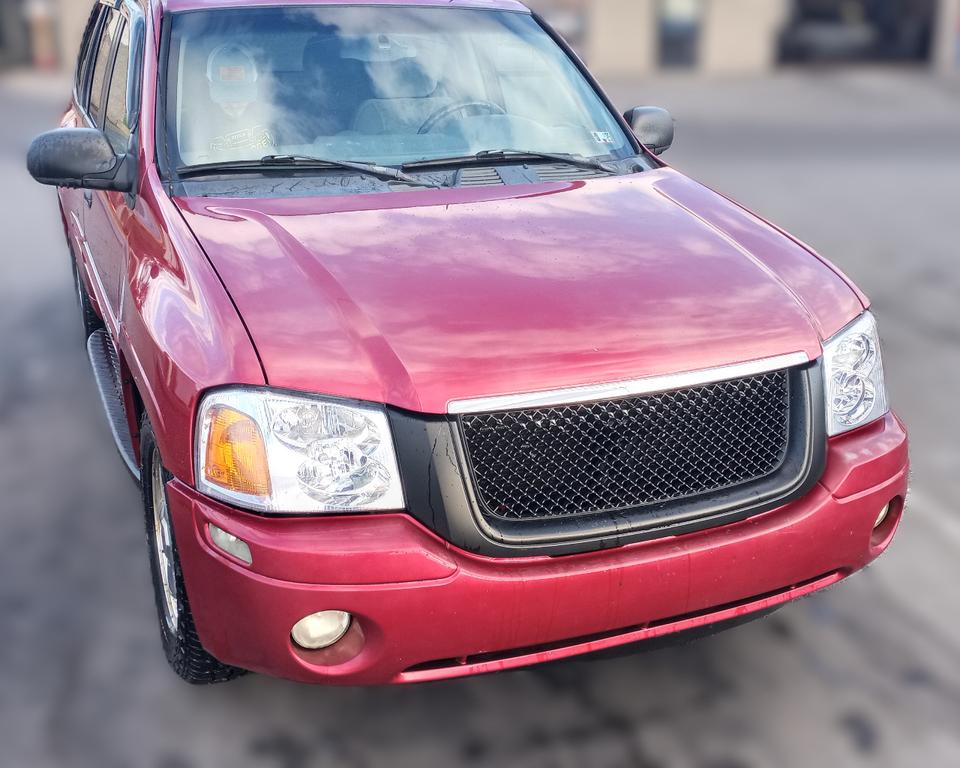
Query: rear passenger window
[87, 52]
[116, 126]
[101, 66]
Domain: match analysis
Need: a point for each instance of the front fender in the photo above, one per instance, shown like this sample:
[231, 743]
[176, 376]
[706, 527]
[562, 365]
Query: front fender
[180, 332]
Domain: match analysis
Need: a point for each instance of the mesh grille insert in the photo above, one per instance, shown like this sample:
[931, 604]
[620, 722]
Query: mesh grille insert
[631, 453]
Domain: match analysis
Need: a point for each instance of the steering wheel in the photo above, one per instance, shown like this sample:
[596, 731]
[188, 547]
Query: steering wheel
[445, 113]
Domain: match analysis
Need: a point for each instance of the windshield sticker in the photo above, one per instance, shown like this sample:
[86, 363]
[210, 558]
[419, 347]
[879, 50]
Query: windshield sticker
[602, 137]
[257, 138]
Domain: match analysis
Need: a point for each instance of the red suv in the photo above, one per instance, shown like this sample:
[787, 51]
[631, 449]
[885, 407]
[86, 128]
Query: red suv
[425, 362]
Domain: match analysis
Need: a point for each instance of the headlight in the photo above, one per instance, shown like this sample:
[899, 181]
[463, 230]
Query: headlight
[296, 454]
[856, 394]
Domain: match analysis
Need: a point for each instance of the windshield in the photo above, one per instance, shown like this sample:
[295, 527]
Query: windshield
[382, 84]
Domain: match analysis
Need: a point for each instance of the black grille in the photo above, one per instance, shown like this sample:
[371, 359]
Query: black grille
[634, 453]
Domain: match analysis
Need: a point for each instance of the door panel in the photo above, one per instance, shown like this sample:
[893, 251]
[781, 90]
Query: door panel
[105, 213]
[72, 200]
[104, 225]
[71, 203]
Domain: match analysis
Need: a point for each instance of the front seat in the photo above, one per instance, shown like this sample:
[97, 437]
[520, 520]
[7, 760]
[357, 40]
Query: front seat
[335, 86]
[405, 96]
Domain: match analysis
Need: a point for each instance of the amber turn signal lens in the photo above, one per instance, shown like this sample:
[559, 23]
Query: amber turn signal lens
[236, 455]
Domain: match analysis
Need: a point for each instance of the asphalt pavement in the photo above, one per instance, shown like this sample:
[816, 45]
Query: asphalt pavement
[864, 165]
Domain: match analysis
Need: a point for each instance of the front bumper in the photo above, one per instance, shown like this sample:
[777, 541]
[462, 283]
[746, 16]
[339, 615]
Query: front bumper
[426, 610]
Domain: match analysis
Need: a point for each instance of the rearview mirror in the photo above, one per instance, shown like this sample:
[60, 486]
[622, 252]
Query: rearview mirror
[78, 158]
[653, 126]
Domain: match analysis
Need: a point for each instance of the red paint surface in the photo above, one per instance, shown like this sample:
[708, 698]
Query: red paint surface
[473, 605]
[419, 298]
[192, 5]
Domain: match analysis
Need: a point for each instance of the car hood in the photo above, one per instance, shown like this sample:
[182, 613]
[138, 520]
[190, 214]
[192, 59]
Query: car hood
[422, 297]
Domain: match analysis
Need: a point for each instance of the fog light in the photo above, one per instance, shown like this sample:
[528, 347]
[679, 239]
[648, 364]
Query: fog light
[882, 516]
[230, 544]
[321, 630]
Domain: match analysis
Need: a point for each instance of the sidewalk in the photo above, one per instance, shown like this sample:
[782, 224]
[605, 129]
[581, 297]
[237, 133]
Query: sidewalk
[874, 97]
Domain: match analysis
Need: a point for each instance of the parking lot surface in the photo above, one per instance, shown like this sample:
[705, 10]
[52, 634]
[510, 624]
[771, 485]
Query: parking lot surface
[864, 165]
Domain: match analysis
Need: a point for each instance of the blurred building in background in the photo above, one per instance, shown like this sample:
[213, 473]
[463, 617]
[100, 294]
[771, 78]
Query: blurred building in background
[636, 37]
[14, 46]
[632, 38]
[42, 33]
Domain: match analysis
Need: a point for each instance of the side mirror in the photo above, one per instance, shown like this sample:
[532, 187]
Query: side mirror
[653, 126]
[78, 158]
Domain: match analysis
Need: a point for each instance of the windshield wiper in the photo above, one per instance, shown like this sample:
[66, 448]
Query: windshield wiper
[514, 154]
[272, 162]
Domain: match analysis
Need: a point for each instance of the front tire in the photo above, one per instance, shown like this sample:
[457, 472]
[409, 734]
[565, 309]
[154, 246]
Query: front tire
[178, 633]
